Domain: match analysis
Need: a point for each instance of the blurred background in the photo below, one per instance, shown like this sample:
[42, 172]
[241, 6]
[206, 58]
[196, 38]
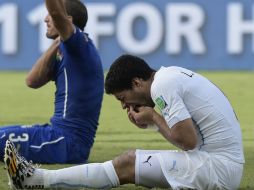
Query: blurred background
[199, 35]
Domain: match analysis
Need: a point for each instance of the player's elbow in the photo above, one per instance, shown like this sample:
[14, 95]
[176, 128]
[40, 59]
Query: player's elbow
[190, 145]
[31, 83]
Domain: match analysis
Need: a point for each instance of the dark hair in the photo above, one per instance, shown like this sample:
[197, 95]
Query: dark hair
[123, 71]
[78, 11]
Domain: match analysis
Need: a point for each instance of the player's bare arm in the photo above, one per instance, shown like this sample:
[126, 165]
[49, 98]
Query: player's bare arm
[42, 71]
[182, 134]
[62, 21]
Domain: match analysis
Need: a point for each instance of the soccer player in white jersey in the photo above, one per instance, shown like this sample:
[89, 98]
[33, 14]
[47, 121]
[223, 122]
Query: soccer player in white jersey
[195, 116]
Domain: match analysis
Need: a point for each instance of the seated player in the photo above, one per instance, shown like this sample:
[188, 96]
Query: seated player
[73, 63]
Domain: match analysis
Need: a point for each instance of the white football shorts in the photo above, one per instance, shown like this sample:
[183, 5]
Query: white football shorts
[186, 170]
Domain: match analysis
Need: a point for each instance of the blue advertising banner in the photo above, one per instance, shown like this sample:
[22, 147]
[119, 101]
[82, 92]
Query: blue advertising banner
[196, 34]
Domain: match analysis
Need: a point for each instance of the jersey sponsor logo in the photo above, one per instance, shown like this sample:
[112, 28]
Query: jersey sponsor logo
[161, 103]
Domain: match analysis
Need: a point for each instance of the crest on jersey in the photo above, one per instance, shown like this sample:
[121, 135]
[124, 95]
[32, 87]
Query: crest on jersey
[161, 103]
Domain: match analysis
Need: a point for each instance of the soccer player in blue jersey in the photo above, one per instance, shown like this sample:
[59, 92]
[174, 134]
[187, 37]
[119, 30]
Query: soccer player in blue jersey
[73, 63]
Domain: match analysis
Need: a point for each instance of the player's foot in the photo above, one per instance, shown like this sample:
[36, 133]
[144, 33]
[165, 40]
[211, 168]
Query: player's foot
[19, 169]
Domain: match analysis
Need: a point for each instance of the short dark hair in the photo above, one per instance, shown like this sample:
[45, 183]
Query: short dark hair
[78, 11]
[123, 70]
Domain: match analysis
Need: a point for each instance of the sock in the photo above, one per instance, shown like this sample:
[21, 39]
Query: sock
[36, 180]
[97, 175]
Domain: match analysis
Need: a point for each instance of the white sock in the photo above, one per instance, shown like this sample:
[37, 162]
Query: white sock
[97, 175]
[36, 180]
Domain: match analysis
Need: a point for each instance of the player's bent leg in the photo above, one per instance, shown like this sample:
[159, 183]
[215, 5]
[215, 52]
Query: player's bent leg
[44, 144]
[24, 136]
[140, 168]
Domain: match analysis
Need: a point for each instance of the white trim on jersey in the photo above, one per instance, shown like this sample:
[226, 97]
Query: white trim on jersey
[3, 136]
[66, 93]
[46, 143]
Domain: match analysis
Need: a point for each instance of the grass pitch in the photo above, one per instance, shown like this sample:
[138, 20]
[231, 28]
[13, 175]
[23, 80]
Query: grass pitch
[21, 105]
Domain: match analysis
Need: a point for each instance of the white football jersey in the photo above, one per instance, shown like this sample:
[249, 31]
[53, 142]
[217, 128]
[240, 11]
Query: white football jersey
[181, 94]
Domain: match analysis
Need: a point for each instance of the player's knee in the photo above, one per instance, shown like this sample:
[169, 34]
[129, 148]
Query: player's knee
[128, 158]
[125, 166]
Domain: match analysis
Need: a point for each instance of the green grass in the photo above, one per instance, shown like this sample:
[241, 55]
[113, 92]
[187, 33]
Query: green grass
[21, 105]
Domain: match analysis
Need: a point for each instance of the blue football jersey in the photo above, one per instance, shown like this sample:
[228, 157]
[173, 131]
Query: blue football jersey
[79, 81]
